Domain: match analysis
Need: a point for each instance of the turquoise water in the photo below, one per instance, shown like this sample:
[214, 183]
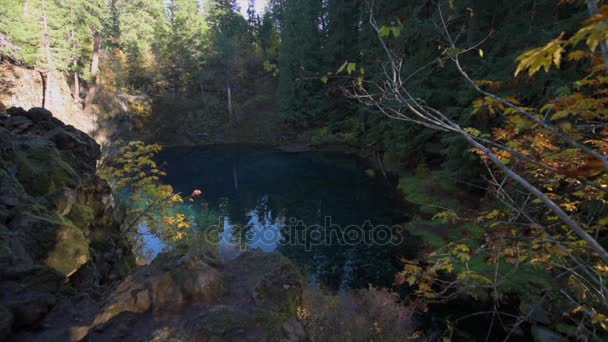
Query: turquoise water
[327, 212]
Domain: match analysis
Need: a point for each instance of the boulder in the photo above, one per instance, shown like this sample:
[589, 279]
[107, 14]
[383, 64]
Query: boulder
[223, 320]
[11, 191]
[35, 114]
[41, 168]
[18, 124]
[76, 146]
[52, 241]
[168, 283]
[273, 282]
[62, 201]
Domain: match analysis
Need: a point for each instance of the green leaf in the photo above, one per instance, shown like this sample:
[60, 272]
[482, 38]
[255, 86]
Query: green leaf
[324, 79]
[351, 67]
[481, 53]
[396, 31]
[472, 131]
[385, 31]
[342, 67]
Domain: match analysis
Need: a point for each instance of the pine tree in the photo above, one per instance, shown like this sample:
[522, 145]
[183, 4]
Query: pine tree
[20, 31]
[184, 44]
[229, 37]
[300, 93]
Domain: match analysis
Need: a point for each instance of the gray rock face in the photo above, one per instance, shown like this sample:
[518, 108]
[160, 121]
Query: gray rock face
[210, 302]
[55, 216]
[167, 284]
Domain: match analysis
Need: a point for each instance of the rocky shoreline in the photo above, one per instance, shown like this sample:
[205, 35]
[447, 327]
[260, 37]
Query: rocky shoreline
[67, 272]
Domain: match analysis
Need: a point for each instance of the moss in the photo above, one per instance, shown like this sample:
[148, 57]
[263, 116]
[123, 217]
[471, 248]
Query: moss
[81, 215]
[51, 239]
[222, 320]
[71, 249]
[271, 321]
[41, 170]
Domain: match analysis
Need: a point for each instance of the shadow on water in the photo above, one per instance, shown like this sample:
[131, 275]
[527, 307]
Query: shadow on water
[327, 212]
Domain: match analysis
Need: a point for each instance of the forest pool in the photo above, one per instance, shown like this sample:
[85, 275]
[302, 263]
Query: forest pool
[330, 213]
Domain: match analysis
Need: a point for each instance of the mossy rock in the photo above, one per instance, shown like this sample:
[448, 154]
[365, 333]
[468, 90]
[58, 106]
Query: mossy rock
[171, 281]
[223, 320]
[71, 250]
[11, 192]
[81, 215]
[53, 241]
[274, 282]
[41, 170]
[280, 291]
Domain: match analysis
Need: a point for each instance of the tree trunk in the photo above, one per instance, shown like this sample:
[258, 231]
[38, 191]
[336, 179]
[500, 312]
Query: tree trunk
[202, 89]
[43, 82]
[76, 94]
[594, 10]
[76, 88]
[46, 42]
[94, 72]
[379, 158]
[230, 112]
[473, 29]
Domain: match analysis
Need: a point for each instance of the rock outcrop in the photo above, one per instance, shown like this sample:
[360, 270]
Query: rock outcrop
[57, 226]
[186, 296]
[66, 271]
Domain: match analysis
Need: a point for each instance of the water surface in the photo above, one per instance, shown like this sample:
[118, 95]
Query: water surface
[290, 202]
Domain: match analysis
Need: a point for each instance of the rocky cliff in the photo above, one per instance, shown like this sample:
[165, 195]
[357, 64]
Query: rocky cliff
[66, 271]
[112, 116]
[25, 87]
[57, 218]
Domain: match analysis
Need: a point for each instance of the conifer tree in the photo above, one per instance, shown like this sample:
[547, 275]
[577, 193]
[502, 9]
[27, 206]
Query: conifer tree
[299, 60]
